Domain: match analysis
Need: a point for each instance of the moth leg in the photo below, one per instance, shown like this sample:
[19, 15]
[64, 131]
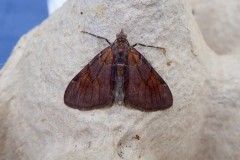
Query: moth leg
[144, 45]
[97, 36]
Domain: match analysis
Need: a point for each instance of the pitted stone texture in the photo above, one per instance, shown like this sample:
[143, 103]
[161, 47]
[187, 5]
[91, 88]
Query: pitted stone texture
[219, 22]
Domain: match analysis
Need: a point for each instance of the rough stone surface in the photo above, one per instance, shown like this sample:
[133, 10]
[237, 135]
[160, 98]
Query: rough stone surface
[203, 123]
[219, 22]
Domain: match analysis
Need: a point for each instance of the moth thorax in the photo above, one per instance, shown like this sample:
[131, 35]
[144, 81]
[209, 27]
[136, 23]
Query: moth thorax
[121, 54]
[121, 47]
[119, 92]
[120, 69]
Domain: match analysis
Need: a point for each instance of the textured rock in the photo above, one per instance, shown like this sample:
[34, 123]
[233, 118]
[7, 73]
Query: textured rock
[219, 22]
[202, 124]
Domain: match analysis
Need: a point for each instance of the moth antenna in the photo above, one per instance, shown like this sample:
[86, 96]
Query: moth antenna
[97, 37]
[144, 45]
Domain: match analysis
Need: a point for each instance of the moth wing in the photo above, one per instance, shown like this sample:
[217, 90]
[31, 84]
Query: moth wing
[92, 87]
[144, 88]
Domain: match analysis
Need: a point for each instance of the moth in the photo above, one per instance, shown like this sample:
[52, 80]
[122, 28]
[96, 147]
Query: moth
[118, 74]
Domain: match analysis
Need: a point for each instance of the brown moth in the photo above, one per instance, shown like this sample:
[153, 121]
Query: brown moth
[119, 73]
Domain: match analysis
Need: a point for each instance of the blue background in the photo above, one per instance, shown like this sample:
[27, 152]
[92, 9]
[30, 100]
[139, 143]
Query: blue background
[17, 17]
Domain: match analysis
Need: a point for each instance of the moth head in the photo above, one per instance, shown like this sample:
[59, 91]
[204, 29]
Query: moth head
[121, 35]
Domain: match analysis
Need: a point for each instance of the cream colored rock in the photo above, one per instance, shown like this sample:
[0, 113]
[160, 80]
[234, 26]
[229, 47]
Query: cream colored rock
[219, 22]
[203, 123]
